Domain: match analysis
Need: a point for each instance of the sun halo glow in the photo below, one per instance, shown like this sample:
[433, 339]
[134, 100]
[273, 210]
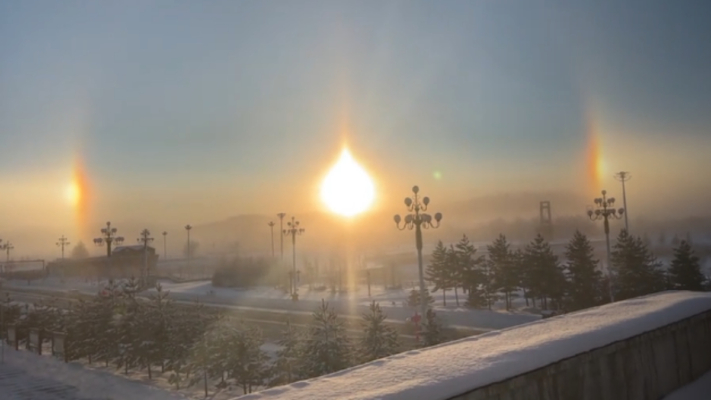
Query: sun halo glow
[347, 189]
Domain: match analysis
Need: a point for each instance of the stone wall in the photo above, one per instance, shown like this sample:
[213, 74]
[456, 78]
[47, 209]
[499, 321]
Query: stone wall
[644, 367]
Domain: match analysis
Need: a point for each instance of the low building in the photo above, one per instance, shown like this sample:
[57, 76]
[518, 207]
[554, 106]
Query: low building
[125, 262]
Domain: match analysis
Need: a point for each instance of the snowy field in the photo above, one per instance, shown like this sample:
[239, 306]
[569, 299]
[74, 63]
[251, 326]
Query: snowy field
[444, 371]
[700, 389]
[28, 376]
[25, 375]
[353, 303]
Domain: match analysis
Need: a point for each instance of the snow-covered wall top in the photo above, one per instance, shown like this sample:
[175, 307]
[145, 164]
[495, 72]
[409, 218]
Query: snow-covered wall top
[451, 369]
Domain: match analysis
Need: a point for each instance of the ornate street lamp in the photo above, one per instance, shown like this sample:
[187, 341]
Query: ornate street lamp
[108, 236]
[418, 219]
[623, 177]
[145, 239]
[293, 230]
[62, 243]
[604, 210]
[7, 247]
[271, 226]
[165, 245]
[187, 229]
[281, 228]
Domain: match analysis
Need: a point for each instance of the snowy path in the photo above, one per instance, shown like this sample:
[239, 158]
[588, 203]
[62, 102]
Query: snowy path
[28, 376]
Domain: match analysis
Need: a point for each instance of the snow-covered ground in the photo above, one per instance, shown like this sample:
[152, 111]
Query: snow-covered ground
[700, 389]
[444, 371]
[353, 303]
[25, 375]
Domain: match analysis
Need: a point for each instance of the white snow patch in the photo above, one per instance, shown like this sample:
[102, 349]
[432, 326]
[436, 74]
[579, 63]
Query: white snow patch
[23, 373]
[447, 370]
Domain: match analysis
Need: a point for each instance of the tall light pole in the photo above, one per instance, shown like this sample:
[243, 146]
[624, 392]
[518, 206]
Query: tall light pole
[604, 209]
[108, 236]
[418, 219]
[63, 242]
[293, 230]
[281, 229]
[165, 245]
[187, 229]
[145, 239]
[7, 247]
[271, 226]
[623, 177]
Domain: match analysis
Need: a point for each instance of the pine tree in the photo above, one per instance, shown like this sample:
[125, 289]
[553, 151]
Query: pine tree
[519, 262]
[471, 274]
[685, 271]
[500, 259]
[662, 238]
[246, 362]
[547, 280]
[79, 251]
[675, 240]
[414, 299]
[379, 340]
[285, 369]
[637, 270]
[583, 275]
[326, 348]
[432, 330]
[437, 271]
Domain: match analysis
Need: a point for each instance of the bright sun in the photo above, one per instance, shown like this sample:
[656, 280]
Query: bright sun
[72, 193]
[347, 189]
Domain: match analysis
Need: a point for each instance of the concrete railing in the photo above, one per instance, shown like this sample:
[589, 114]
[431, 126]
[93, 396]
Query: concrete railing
[644, 367]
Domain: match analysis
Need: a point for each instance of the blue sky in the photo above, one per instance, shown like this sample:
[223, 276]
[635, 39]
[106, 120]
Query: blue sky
[224, 107]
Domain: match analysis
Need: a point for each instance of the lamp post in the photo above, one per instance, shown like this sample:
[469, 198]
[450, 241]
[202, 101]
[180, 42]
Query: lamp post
[108, 236]
[165, 246]
[7, 247]
[418, 219]
[281, 228]
[623, 177]
[145, 239]
[63, 242]
[187, 229]
[604, 210]
[271, 226]
[293, 230]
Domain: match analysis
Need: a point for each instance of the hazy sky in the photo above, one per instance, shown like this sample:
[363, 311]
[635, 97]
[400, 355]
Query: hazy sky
[189, 110]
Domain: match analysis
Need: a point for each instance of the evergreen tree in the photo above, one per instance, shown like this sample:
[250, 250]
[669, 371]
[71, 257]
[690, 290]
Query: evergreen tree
[285, 369]
[689, 240]
[584, 278]
[637, 270]
[547, 280]
[675, 240]
[379, 340]
[438, 272]
[662, 238]
[685, 271]
[79, 251]
[432, 330]
[246, 361]
[503, 268]
[326, 348]
[519, 262]
[414, 299]
[471, 274]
